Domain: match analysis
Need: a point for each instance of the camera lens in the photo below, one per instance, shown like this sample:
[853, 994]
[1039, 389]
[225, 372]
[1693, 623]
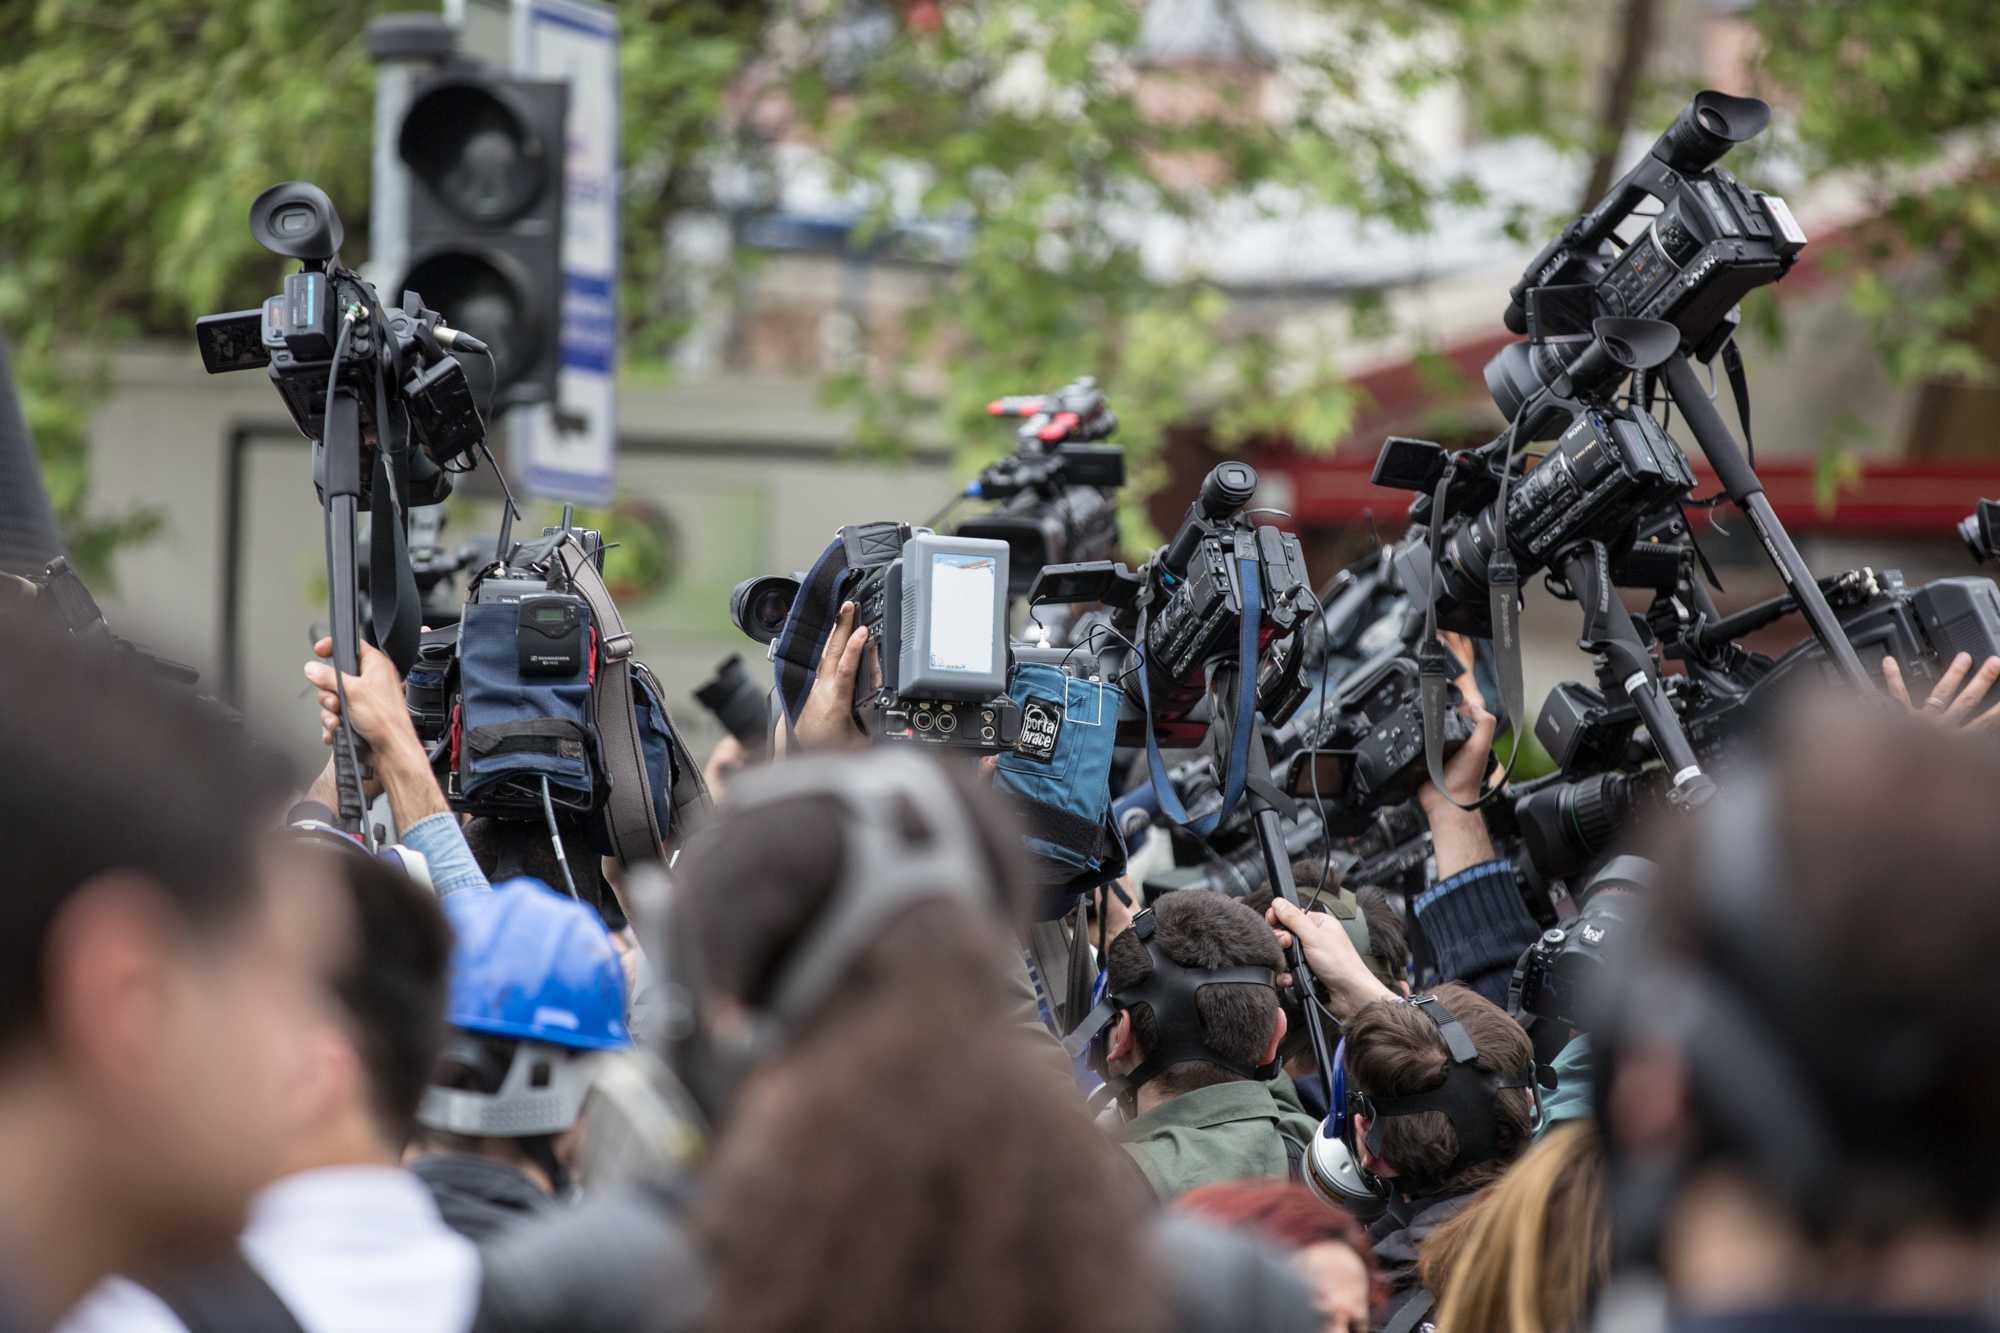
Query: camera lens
[760, 606]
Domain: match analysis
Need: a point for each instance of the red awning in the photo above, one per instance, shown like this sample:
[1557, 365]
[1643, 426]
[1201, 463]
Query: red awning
[1901, 497]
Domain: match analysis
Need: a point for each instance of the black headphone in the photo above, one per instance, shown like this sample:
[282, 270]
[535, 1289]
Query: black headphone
[1466, 1098]
[1170, 991]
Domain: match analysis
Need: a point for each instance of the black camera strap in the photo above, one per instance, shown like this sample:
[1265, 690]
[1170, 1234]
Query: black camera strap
[1245, 727]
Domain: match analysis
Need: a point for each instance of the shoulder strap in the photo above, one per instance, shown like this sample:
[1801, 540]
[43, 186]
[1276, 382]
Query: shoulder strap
[222, 1293]
[1411, 1313]
[628, 814]
[1295, 1160]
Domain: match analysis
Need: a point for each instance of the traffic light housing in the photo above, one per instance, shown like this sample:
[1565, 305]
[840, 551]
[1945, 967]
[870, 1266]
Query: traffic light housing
[485, 153]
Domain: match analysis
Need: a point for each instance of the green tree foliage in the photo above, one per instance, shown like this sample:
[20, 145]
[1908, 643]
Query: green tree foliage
[1038, 134]
[132, 137]
[1904, 94]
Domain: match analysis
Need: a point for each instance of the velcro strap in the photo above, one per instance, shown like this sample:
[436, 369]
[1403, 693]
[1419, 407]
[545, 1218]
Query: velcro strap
[530, 735]
[1064, 828]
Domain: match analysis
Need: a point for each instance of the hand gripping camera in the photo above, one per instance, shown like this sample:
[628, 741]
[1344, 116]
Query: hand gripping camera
[935, 669]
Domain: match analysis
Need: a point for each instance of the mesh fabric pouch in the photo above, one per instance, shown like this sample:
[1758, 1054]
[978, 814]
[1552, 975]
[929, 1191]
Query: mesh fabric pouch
[522, 727]
[1061, 771]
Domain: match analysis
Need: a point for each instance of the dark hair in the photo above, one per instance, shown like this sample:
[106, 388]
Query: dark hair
[392, 985]
[1197, 928]
[916, 1163]
[1395, 1050]
[1871, 975]
[104, 768]
[1386, 939]
[505, 848]
[1290, 1215]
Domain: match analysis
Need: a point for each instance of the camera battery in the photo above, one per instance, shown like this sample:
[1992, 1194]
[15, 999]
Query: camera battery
[309, 317]
[548, 635]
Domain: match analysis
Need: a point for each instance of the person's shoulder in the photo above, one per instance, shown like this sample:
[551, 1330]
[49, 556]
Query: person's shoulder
[1228, 1131]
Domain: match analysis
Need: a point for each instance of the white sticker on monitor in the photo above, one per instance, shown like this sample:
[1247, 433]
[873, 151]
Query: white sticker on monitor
[962, 591]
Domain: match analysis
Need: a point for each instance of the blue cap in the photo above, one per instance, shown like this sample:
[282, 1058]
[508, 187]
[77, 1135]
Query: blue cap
[537, 966]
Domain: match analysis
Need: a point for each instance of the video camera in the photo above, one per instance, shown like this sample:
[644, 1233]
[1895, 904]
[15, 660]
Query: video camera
[1057, 491]
[1712, 242]
[363, 380]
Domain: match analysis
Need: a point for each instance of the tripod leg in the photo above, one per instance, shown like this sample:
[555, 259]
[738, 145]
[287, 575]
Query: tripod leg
[1739, 479]
[1608, 630]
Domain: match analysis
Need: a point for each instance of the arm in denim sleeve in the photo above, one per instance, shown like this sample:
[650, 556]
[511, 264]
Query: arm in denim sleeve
[1478, 926]
[442, 845]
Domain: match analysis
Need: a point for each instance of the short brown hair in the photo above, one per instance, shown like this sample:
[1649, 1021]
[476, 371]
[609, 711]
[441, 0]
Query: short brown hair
[1199, 928]
[1395, 1050]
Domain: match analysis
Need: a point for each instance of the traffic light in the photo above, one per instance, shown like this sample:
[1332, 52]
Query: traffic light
[485, 153]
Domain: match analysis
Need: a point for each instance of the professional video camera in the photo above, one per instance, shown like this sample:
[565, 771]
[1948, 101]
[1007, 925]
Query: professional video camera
[1712, 242]
[935, 607]
[1057, 492]
[1200, 620]
[363, 380]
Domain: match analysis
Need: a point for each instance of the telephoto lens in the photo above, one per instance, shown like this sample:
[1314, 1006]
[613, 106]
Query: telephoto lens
[739, 704]
[760, 606]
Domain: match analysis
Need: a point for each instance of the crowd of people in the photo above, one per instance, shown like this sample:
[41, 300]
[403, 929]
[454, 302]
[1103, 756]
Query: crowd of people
[255, 1076]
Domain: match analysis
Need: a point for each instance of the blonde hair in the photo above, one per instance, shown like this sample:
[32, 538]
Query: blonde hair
[1530, 1250]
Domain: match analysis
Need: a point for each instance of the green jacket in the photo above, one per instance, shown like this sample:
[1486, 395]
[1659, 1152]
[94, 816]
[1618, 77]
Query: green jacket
[1231, 1131]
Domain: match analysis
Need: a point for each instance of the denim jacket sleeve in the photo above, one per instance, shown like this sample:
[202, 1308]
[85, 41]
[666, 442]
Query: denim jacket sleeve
[438, 839]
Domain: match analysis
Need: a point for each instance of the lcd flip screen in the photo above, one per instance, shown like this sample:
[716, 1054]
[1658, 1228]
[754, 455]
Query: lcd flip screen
[962, 592]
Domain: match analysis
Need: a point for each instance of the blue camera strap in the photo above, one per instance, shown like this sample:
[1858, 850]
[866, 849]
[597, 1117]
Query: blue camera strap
[1246, 713]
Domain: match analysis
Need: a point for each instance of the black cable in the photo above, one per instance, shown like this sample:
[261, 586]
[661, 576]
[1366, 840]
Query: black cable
[555, 838]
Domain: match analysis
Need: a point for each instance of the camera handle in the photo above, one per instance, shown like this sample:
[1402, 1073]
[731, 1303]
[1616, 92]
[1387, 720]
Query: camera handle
[1739, 481]
[1608, 629]
[1244, 729]
[342, 446]
[1263, 796]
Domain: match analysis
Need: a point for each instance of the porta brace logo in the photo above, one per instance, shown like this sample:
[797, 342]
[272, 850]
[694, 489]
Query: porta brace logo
[1041, 728]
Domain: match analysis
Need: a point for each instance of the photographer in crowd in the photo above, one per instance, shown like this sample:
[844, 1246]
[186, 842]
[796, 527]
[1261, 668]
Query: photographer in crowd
[375, 706]
[162, 968]
[1193, 1065]
[1439, 1097]
[537, 990]
[882, 1123]
[1472, 916]
[344, 1238]
[1801, 1063]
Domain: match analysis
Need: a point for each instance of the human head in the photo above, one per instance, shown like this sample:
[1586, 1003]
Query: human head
[1327, 1246]
[1395, 1049]
[901, 1094]
[1533, 1249]
[537, 991]
[159, 962]
[388, 989]
[1803, 1055]
[1242, 1023]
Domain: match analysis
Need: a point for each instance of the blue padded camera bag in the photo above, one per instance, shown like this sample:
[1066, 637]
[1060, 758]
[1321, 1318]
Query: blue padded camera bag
[522, 727]
[1061, 770]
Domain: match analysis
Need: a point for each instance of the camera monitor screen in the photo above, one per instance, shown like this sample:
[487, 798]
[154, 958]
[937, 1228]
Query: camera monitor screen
[962, 589]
